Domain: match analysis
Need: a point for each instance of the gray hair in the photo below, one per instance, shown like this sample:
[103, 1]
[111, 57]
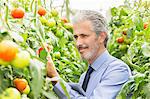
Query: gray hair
[99, 23]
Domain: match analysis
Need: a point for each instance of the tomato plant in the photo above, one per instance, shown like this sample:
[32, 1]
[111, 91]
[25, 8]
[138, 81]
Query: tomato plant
[38, 33]
[130, 42]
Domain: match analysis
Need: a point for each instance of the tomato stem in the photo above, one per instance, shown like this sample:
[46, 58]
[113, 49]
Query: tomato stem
[67, 9]
[35, 11]
[6, 15]
[132, 65]
[31, 5]
[44, 3]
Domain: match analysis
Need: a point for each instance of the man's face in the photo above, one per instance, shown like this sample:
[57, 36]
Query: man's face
[86, 40]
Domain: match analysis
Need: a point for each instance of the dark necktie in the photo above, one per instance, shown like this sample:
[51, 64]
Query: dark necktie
[87, 77]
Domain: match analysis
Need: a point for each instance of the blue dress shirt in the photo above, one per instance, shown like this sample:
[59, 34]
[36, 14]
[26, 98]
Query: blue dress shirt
[105, 81]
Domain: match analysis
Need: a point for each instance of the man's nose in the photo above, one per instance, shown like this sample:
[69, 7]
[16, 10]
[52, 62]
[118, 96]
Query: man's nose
[79, 41]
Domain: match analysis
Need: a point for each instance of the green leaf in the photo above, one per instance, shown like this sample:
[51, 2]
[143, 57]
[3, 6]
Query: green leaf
[49, 94]
[139, 23]
[68, 70]
[5, 77]
[126, 90]
[62, 42]
[25, 36]
[114, 11]
[123, 12]
[64, 88]
[37, 80]
[43, 54]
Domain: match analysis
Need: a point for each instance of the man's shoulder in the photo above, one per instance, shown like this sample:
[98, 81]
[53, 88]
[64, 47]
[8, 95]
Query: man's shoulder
[117, 64]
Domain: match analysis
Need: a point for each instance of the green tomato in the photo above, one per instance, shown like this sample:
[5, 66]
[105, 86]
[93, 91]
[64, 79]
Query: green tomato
[2, 62]
[140, 33]
[11, 93]
[51, 23]
[66, 53]
[127, 41]
[123, 47]
[43, 20]
[26, 90]
[68, 25]
[59, 33]
[54, 12]
[21, 60]
[56, 55]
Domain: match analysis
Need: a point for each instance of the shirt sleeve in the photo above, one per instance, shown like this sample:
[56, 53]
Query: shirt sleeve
[73, 94]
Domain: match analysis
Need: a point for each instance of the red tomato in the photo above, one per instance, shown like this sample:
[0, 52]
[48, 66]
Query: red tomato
[17, 13]
[8, 50]
[120, 39]
[20, 84]
[41, 11]
[124, 32]
[146, 25]
[64, 19]
[39, 50]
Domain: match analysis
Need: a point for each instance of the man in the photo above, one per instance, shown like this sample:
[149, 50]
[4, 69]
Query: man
[106, 74]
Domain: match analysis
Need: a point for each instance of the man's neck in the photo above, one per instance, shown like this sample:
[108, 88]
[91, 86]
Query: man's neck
[90, 61]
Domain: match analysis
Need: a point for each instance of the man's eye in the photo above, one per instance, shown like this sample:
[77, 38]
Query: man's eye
[75, 36]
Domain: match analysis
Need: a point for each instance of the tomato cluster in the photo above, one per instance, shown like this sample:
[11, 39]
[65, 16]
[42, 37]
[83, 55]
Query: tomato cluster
[22, 85]
[10, 54]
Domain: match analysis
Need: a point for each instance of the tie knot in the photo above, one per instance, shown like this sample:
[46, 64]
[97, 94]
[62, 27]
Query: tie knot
[90, 70]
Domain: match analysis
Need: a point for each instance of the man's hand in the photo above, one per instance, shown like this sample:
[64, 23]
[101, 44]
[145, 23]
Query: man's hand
[51, 70]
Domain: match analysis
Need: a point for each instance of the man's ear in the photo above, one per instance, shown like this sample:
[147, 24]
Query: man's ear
[102, 37]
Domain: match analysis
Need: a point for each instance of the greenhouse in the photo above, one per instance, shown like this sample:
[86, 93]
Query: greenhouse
[74, 49]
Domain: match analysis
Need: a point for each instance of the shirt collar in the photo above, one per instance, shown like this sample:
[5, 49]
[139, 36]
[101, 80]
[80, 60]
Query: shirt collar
[100, 60]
